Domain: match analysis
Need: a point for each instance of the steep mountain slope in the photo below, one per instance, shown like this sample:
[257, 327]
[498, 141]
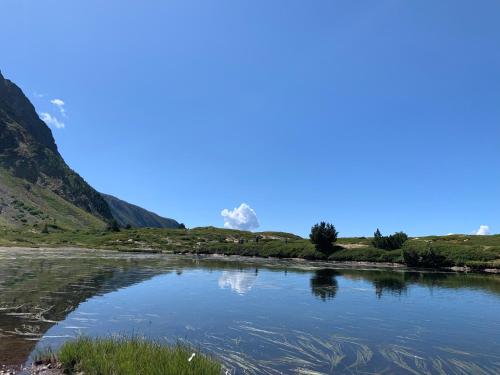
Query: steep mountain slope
[127, 213]
[28, 151]
[23, 203]
[37, 187]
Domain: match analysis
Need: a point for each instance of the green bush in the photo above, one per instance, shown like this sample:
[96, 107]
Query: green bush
[392, 242]
[426, 257]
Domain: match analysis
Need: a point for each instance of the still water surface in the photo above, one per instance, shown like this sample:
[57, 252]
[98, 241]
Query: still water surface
[257, 316]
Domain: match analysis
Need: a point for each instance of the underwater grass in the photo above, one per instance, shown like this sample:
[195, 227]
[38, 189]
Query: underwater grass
[132, 356]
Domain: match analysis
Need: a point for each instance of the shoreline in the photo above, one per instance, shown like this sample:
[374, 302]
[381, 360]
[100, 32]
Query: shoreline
[325, 263]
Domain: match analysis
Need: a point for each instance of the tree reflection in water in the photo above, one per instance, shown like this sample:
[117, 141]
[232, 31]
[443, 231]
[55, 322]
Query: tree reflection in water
[324, 284]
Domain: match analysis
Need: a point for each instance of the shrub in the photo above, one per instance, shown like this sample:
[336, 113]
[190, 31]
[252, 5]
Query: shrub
[392, 242]
[427, 257]
[323, 235]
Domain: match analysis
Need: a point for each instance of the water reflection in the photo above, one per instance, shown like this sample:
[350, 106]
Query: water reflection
[240, 282]
[324, 284]
[38, 289]
[393, 283]
[50, 294]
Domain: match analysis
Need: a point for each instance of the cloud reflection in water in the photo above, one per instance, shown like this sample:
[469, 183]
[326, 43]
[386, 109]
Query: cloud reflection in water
[239, 281]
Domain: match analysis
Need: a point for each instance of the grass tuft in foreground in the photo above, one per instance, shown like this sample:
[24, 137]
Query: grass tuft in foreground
[132, 356]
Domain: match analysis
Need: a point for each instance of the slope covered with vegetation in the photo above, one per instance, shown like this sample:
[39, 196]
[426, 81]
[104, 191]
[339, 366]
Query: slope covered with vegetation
[38, 188]
[477, 252]
[27, 205]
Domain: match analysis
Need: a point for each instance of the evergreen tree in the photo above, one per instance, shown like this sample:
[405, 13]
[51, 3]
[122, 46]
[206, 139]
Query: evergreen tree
[323, 235]
[377, 239]
[113, 226]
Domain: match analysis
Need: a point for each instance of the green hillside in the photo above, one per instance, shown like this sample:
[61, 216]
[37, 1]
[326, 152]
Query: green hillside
[27, 206]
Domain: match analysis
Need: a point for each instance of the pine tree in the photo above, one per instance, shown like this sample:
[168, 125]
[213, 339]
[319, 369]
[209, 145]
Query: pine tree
[113, 226]
[323, 235]
[378, 239]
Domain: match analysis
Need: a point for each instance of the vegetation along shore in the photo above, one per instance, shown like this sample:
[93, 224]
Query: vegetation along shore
[125, 356]
[474, 252]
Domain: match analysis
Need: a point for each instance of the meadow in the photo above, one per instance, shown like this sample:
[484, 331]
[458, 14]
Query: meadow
[476, 252]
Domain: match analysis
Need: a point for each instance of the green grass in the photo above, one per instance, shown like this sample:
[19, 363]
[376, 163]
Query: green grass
[28, 206]
[132, 356]
[367, 254]
[477, 252]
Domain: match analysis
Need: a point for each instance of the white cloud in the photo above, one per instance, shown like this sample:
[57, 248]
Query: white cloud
[483, 230]
[51, 120]
[59, 103]
[243, 217]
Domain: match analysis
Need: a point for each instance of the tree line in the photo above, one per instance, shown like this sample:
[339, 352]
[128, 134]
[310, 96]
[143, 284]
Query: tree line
[324, 235]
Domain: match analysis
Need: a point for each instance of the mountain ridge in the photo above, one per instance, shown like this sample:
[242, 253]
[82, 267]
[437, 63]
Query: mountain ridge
[126, 213]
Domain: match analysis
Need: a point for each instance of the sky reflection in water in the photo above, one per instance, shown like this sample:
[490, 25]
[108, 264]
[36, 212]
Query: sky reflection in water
[259, 316]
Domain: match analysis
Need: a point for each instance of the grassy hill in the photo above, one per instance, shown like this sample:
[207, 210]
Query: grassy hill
[27, 205]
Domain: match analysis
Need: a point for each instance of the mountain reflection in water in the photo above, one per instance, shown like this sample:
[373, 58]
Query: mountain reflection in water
[255, 315]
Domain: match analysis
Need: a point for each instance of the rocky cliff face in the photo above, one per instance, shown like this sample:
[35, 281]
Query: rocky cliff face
[28, 151]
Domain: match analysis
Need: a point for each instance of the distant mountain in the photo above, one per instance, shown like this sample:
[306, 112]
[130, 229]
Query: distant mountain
[37, 186]
[129, 214]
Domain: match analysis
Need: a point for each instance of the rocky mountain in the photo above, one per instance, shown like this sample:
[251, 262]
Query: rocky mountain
[130, 214]
[36, 184]
[28, 151]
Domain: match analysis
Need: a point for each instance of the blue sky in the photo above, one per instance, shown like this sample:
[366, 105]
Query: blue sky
[363, 113]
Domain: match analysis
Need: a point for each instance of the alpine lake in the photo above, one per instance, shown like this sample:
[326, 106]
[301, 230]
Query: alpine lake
[256, 316]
